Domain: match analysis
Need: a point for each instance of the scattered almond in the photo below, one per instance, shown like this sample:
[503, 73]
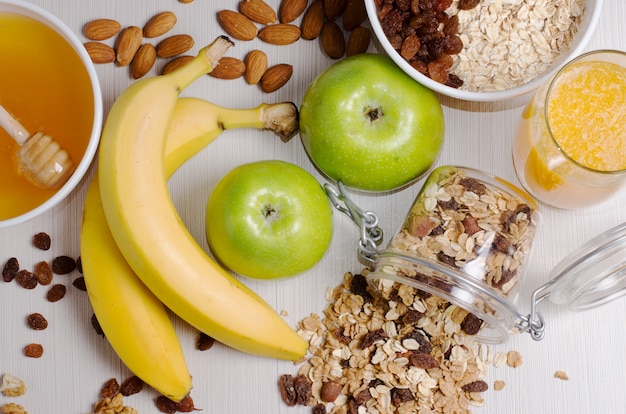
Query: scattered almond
[313, 20]
[101, 29]
[174, 45]
[143, 61]
[334, 8]
[128, 43]
[100, 52]
[333, 42]
[229, 68]
[562, 375]
[256, 65]
[275, 77]
[354, 14]
[290, 10]
[280, 33]
[176, 63]
[237, 25]
[159, 24]
[258, 11]
[358, 41]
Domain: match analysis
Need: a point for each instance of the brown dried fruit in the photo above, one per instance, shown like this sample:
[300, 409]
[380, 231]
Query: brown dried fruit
[287, 389]
[101, 29]
[132, 385]
[10, 269]
[110, 388]
[303, 388]
[79, 283]
[276, 77]
[174, 45]
[229, 68]
[176, 63]
[44, 274]
[467, 4]
[258, 11]
[56, 293]
[26, 279]
[237, 25]
[41, 241]
[143, 61]
[371, 337]
[185, 405]
[313, 21]
[62, 265]
[33, 350]
[333, 42]
[37, 321]
[319, 409]
[165, 405]
[334, 8]
[256, 65]
[330, 391]
[204, 342]
[471, 324]
[423, 360]
[159, 24]
[358, 41]
[354, 14]
[290, 10]
[96, 325]
[280, 34]
[476, 386]
[128, 43]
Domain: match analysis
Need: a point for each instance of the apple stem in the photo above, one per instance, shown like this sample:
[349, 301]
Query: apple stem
[374, 113]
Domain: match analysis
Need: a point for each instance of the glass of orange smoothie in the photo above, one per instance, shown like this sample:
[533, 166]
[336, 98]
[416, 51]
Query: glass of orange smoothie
[570, 147]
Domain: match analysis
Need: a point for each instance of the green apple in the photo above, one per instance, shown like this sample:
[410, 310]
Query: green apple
[268, 219]
[366, 123]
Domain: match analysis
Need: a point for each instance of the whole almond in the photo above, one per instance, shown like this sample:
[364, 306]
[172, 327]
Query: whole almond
[313, 20]
[358, 41]
[290, 10]
[101, 29]
[354, 14]
[176, 63]
[275, 77]
[143, 61]
[237, 25]
[333, 42]
[128, 43]
[174, 45]
[100, 52]
[229, 68]
[256, 65]
[334, 8]
[159, 24]
[280, 33]
[258, 11]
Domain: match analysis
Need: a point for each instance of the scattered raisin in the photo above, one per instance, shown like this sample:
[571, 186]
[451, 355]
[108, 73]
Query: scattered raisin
[41, 241]
[165, 405]
[44, 274]
[185, 405]
[204, 342]
[319, 409]
[330, 391]
[287, 389]
[400, 395]
[473, 185]
[63, 265]
[424, 343]
[96, 325]
[26, 279]
[37, 321]
[467, 4]
[338, 334]
[33, 350]
[371, 337]
[303, 388]
[132, 385]
[358, 286]
[411, 316]
[110, 388]
[476, 386]
[79, 283]
[56, 293]
[10, 269]
[471, 324]
[423, 360]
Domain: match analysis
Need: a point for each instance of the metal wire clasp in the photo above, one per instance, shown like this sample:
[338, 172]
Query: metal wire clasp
[533, 323]
[367, 221]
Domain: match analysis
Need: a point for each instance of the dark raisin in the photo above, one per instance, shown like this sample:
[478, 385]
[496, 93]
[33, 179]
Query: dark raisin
[371, 337]
[63, 265]
[26, 279]
[451, 27]
[392, 22]
[56, 293]
[467, 4]
[362, 397]
[473, 185]
[338, 334]
[185, 405]
[79, 265]
[319, 409]
[506, 276]
[424, 344]
[41, 241]
[444, 258]
[412, 316]
[96, 325]
[33, 350]
[471, 324]
[287, 389]
[410, 47]
[110, 388]
[132, 385]
[165, 405]
[452, 44]
[470, 224]
[79, 283]
[37, 321]
[454, 81]
[10, 269]
[443, 5]
[304, 391]
[44, 274]
[204, 342]
[400, 395]
[501, 244]
[448, 205]
[476, 386]
[423, 360]
[358, 286]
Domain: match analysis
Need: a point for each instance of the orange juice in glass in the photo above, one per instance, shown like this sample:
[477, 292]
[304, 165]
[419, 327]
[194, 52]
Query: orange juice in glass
[570, 148]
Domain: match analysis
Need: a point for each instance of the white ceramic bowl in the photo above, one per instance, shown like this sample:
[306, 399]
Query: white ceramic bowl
[584, 33]
[29, 10]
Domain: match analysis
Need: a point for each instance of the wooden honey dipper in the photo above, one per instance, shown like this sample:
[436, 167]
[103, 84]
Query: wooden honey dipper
[41, 159]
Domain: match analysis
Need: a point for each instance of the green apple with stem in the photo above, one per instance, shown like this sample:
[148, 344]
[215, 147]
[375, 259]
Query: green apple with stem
[366, 123]
[268, 219]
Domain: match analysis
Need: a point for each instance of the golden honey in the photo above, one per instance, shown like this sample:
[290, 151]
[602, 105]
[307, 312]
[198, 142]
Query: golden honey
[43, 84]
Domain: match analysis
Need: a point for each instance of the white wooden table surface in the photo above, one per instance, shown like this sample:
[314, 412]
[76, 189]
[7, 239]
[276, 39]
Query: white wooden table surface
[588, 346]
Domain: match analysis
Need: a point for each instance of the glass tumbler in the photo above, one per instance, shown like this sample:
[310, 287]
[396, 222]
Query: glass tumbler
[570, 147]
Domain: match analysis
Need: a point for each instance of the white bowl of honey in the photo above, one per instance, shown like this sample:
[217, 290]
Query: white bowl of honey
[48, 84]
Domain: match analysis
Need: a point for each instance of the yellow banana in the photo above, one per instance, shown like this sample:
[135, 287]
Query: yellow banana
[150, 234]
[134, 321]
